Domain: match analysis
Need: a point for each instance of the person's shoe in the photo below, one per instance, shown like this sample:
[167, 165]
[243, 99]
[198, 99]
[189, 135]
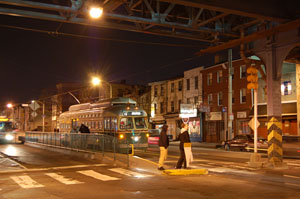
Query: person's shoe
[161, 168]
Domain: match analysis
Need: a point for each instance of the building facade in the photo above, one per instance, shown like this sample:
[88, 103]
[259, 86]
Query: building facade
[215, 95]
[193, 94]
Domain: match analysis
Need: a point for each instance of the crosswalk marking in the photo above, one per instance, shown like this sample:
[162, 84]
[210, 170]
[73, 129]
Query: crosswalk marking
[97, 175]
[26, 182]
[62, 179]
[129, 173]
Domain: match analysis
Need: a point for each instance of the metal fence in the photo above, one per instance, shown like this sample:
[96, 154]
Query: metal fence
[79, 141]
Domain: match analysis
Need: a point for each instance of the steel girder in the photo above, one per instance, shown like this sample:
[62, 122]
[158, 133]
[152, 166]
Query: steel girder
[188, 19]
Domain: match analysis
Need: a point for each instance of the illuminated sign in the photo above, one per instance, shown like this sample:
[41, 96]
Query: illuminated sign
[134, 113]
[187, 110]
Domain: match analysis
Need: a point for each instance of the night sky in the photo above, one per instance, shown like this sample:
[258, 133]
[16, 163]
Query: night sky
[31, 61]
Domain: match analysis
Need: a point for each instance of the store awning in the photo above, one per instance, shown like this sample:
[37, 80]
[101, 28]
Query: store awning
[288, 109]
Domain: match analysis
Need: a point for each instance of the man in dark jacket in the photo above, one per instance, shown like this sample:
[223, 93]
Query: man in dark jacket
[183, 138]
[163, 146]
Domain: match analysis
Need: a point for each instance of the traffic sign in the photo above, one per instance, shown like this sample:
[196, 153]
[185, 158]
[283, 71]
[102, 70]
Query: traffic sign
[251, 123]
[34, 105]
[34, 114]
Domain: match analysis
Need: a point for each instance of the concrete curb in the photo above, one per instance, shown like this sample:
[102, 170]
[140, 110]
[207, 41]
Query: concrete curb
[174, 172]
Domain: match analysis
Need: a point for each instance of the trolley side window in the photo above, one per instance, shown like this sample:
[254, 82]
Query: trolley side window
[126, 123]
[140, 122]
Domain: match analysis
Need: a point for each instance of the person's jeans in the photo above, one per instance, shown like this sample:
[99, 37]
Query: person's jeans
[181, 160]
[163, 156]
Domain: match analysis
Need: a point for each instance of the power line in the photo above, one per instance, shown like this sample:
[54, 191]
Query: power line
[55, 33]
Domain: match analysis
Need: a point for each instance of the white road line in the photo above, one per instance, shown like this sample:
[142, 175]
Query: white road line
[62, 179]
[97, 175]
[289, 176]
[129, 173]
[26, 182]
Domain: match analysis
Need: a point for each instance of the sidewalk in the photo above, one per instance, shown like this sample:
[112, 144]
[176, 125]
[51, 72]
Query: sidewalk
[199, 144]
[8, 164]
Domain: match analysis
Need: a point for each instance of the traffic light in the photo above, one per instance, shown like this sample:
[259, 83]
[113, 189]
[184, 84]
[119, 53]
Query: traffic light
[252, 78]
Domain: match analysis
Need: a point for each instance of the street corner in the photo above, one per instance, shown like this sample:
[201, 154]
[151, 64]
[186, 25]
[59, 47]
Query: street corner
[186, 172]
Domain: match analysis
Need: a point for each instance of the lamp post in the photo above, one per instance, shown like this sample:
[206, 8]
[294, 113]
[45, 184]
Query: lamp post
[96, 81]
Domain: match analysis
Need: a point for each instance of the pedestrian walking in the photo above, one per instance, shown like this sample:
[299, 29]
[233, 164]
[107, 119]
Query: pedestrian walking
[163, 146]
[183, 138]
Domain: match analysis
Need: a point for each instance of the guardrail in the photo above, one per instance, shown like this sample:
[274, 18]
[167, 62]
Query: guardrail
[80, 141]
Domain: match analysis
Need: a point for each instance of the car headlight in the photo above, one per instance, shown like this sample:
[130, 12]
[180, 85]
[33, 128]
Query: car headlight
[9, 137]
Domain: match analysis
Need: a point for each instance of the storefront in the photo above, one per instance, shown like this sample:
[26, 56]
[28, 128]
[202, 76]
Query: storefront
[289, 118]
[214, 127]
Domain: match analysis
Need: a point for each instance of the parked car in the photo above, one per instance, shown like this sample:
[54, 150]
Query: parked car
[245, 143]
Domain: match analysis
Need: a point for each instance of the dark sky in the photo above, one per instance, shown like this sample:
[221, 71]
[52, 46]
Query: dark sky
[31, 61]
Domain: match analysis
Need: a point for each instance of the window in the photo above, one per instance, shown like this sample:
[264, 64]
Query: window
[172, 87]
[243, 96]
[180, 86]
[155, 91]
[172, 106]
[187, 84]
[196, 100]
[196, 82]
[107, 123]
[179, 102]
[286, 88]
[161, 107]
[233, 99]
[162, 90]
[155, 108]
[220, 76]
[209, 79]
[140, 123]
[188, 100]
[220, 98]
[126, 123]
[242, 71]
[209, 98]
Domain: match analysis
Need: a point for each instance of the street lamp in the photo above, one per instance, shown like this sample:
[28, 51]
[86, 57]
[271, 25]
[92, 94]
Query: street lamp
[43, 116]
[96, 12]
[96, 81]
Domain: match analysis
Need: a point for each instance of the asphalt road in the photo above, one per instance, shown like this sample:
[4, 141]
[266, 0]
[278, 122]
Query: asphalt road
[53, 175]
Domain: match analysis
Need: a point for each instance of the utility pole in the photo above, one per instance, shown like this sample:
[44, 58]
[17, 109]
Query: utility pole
[229, 126]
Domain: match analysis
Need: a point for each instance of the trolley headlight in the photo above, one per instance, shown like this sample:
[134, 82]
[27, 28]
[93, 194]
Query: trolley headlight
[147, 135]
[121, 136]
[9, 137]
[136, 138]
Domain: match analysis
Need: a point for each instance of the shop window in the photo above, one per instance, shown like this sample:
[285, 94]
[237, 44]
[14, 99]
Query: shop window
[243, 96]
[209, 79]
[286, 88]
[220, 76]
[243, 127]
[196, 82]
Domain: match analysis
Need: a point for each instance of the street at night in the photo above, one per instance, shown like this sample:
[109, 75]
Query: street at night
[53, 175]
[120, 99]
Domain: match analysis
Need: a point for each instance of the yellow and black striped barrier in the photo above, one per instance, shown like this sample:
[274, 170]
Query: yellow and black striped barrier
[275, 140]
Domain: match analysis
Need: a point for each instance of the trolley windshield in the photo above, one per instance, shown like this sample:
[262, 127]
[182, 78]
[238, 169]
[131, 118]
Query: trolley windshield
[140, 122]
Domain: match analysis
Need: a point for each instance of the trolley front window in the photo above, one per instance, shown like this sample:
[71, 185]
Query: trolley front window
[126, 123]
[140, 122]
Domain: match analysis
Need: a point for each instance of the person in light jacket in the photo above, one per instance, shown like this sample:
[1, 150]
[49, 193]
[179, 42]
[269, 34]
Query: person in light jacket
[183, 138]
[163, 147]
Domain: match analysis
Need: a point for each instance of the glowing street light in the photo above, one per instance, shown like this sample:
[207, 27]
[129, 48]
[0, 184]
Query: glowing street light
[96, 81]
[9, 105]
[96, 12]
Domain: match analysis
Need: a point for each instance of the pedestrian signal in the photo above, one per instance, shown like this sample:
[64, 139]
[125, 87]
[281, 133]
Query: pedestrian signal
[252, 78]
